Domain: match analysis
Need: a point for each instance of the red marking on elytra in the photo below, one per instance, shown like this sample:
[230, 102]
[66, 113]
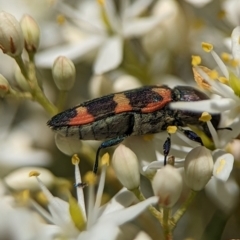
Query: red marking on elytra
[83, 117]
[123, 103]
[154, 106]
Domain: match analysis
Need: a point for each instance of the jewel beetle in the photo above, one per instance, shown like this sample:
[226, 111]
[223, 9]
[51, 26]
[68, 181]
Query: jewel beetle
[140, 111]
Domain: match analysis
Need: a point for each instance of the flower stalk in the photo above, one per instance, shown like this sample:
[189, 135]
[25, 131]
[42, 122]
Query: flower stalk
[180, 212]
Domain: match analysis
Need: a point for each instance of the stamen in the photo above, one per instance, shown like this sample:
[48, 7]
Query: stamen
[196, 60]
[205, 117]
[34, 173]
[171, 129]
[78, 179]
[213, 134]
[207, 47]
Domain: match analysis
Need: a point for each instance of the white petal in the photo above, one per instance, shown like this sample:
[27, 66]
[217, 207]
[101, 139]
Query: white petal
[220, 64]
[141, 26]
[198, 3]
[223, 166]
[235, 43]
[122, 199]
[225, 136]
[224, 194]
[144, 149]
[211, 106]
[136, 8]
[232, 11]
[109, 56]
[125, 82]
[74, 51]
[142, 236]
[19, 179]
[120, 217]
[213, 133]
[59, 210]
[113, 16]
[100, 231]
[153, 166]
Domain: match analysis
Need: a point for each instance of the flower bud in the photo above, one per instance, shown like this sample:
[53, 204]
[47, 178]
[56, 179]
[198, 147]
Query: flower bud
[167, 185]
[233, 148]
[125, 165]
[4, 86]
[198, 168]
[11, 37]
[31, 33]
[64, 73]
[68, 146]
[126, 82]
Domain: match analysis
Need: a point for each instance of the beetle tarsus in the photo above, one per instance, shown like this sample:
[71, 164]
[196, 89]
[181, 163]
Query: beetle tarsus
[192, 136]
[106, 144]
[166, 149]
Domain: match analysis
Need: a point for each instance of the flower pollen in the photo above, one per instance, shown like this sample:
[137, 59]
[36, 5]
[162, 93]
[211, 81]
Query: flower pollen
[61, 19]
[34, 173]
[213, 74]
[196, 60]
[101, 2]
[201, 82]
[205, 117]
[75, 159]
[105, 159]
[223, 80]
[171, 129]
[234, 62]
[221, 14]
[207, 47]
[148, 137]
[222, 163]
[90, 178]
[225, 57]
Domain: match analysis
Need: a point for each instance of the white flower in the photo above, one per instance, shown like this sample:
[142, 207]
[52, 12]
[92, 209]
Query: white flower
[104, 31]
[17, 148]
[21, 224]
[232, 11]
[100, 222]
[226, 90]
[224, 194]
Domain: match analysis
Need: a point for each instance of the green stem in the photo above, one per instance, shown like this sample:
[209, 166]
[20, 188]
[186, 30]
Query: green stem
[21, 65]
[62, 97]
[16, 94]
[176, 217]
[166, 227]
[36, 91]
[152, 209]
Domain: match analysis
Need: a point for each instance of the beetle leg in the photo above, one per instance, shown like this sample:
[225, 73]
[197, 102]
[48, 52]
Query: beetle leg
[106, 144]
[192, 136]
[166, 148]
